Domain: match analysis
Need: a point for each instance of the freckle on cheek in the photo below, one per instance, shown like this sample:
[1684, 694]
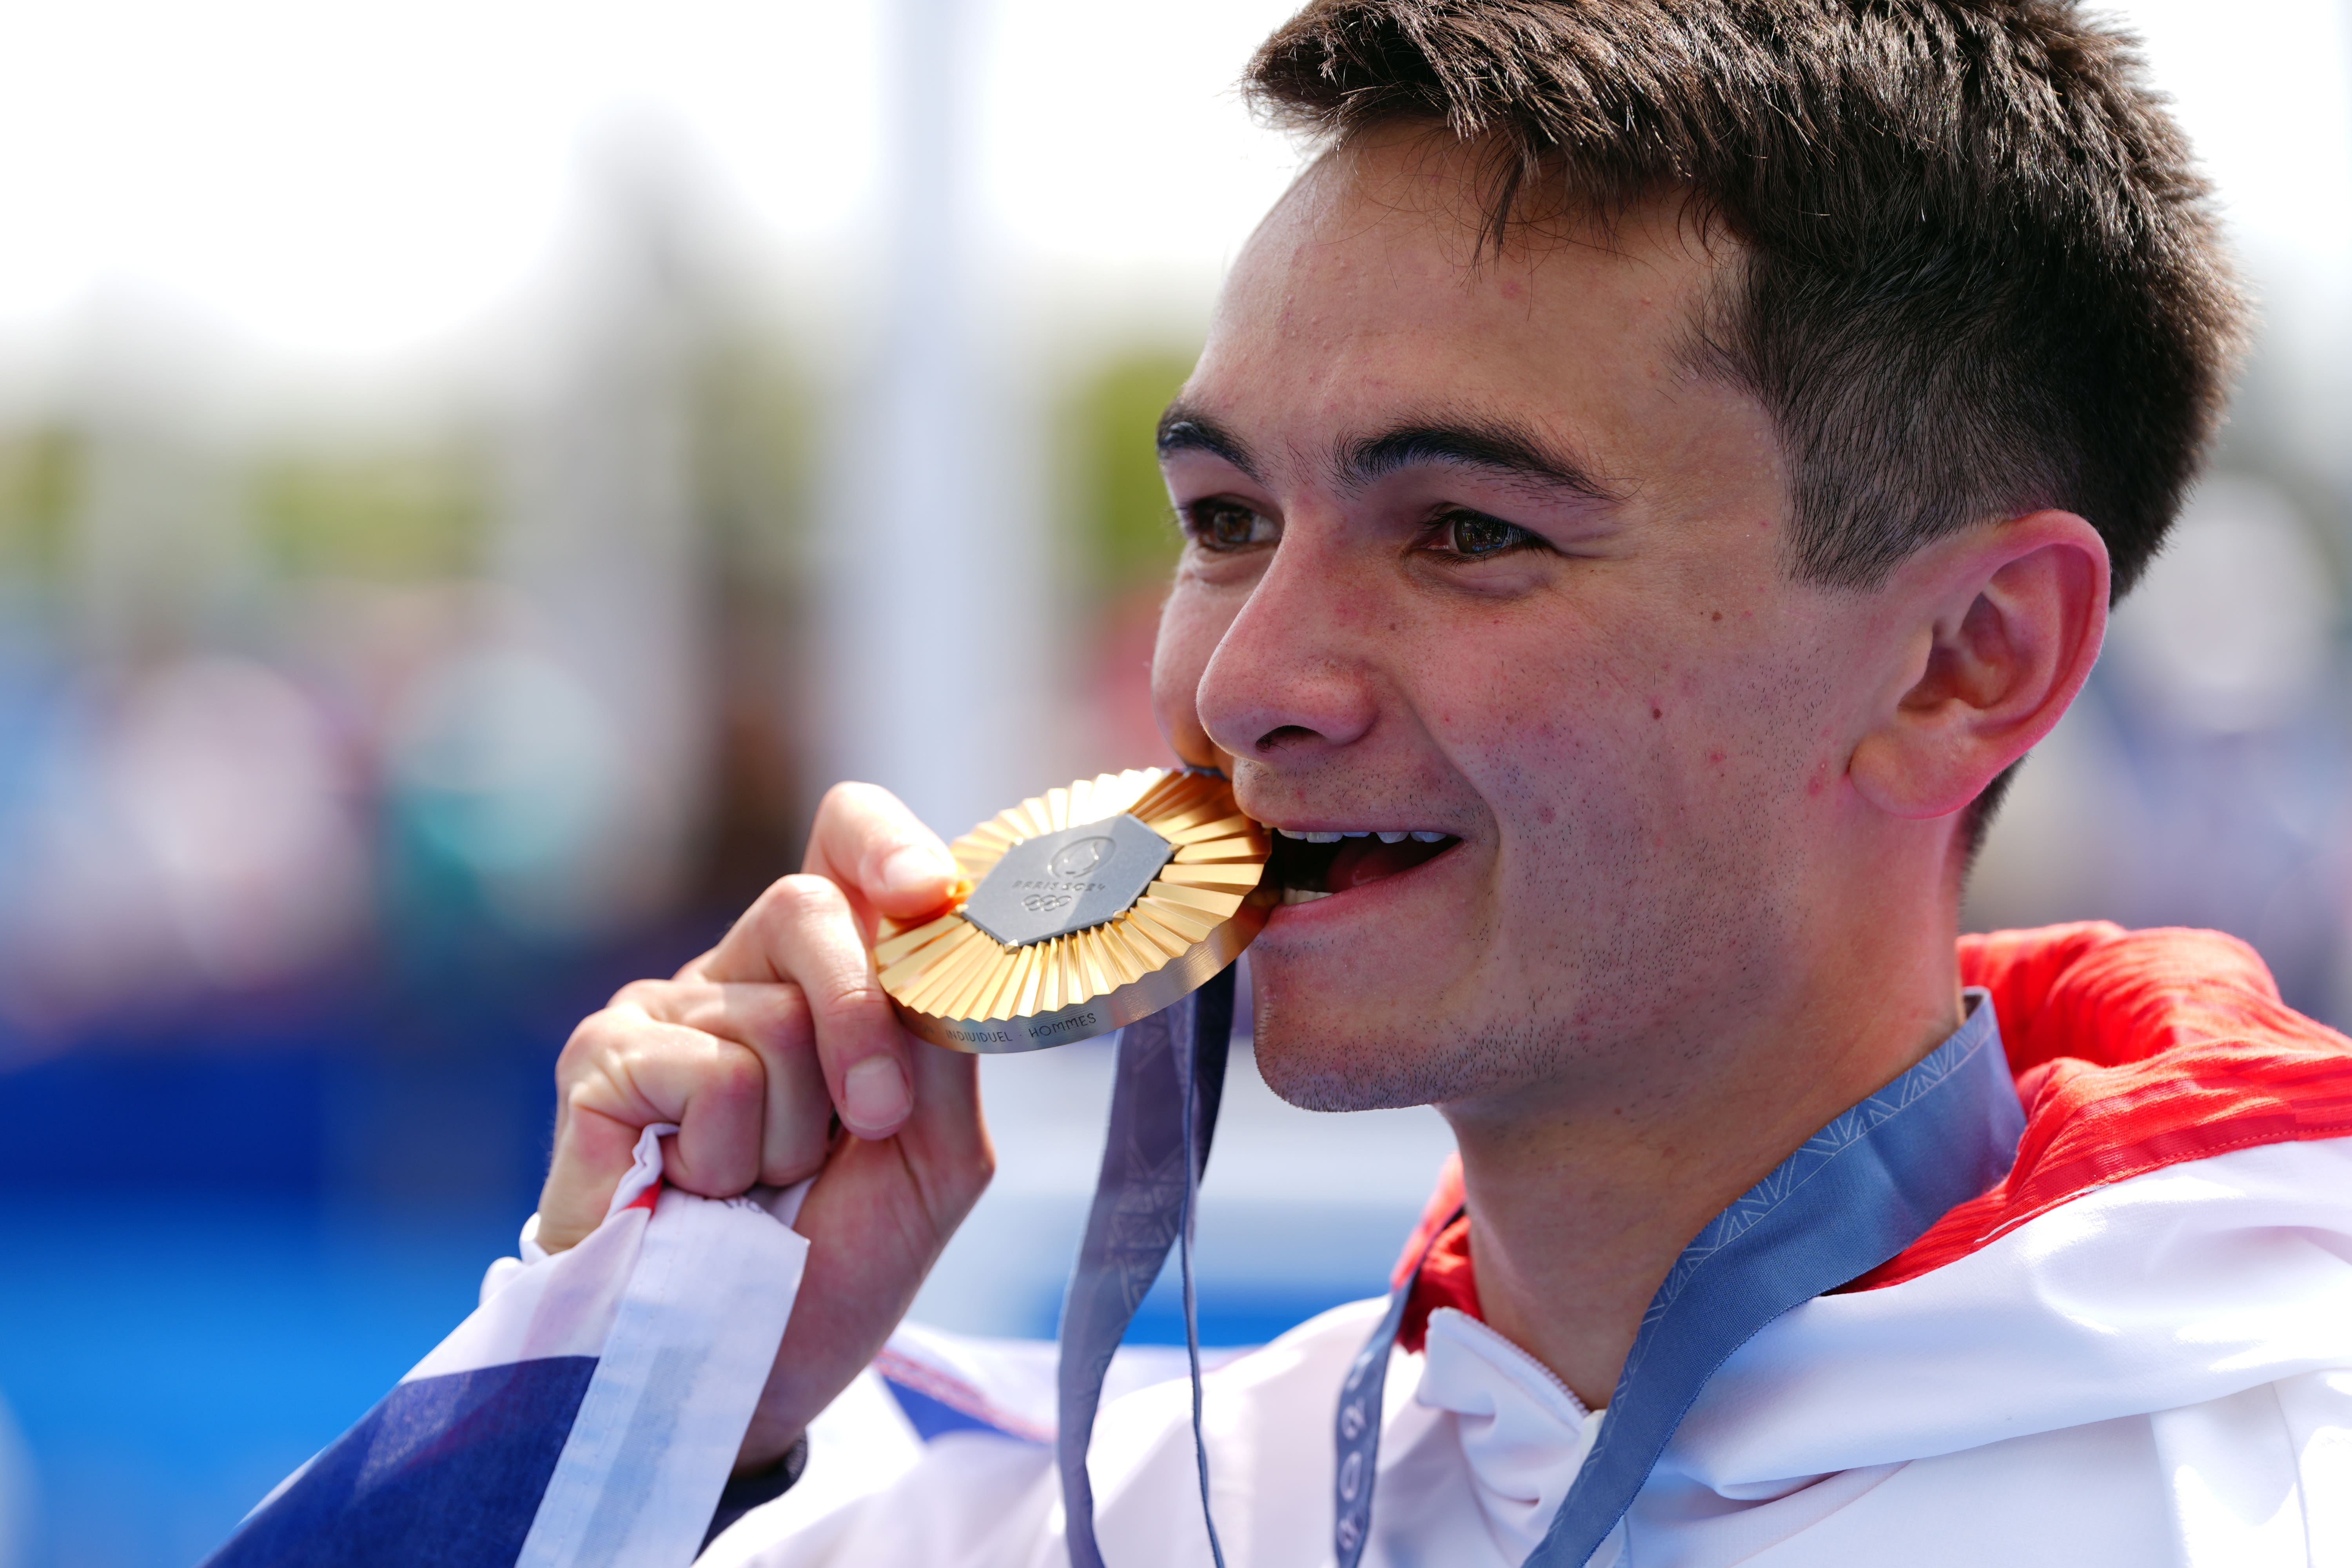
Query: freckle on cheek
[1658, 712]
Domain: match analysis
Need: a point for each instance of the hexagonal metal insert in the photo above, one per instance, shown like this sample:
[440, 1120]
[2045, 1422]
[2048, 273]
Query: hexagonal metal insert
[1057, 883]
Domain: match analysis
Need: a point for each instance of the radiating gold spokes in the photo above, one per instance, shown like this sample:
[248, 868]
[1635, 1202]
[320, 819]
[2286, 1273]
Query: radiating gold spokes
[956, 985]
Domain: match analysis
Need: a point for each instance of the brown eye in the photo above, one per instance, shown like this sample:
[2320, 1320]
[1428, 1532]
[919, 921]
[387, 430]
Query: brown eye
[1227, 525]
[1467, 533]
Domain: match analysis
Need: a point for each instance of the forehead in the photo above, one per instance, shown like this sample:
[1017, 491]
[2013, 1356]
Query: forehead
[1366, 292]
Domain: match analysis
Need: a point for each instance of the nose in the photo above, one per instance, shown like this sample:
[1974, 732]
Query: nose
[1290, 678]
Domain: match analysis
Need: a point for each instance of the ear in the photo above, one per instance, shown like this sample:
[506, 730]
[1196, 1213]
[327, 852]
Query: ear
[2005, 623]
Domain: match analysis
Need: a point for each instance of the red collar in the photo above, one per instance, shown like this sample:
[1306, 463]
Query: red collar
[2132, 1051]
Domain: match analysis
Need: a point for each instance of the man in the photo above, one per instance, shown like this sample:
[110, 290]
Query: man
[1670, 459]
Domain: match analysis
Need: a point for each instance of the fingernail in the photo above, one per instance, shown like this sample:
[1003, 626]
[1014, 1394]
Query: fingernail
[917, 868]
[874, 1094]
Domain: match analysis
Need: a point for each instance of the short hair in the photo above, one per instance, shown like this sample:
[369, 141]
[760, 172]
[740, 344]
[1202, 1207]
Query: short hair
[1980, 273]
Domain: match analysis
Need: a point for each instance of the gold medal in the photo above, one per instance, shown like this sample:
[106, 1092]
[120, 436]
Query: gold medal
[1084, 909]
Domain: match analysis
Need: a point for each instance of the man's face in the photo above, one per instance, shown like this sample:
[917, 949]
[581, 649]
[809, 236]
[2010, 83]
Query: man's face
[1472, 552]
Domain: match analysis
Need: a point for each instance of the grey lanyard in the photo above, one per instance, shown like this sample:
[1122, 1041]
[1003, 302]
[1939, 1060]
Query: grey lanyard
[1854, 1195]
[1163, 1110]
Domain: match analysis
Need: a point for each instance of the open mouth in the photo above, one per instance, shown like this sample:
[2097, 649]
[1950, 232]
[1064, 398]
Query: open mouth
[1310, 864]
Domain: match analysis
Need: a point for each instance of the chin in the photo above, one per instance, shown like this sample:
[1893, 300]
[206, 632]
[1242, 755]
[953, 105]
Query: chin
[1341, 1059]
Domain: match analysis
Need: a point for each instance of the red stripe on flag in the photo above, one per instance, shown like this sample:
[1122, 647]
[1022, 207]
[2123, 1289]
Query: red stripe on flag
[2132, 1051]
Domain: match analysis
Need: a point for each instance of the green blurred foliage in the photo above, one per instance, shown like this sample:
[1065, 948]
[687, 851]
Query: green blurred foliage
[409, 514]
[1127, 532]
[41, 483]
[753, 423]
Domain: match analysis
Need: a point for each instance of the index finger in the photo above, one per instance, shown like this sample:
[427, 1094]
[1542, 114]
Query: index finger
[868, 842]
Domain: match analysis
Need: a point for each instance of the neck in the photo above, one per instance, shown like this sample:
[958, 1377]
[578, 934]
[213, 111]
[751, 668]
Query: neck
[1580, 1199]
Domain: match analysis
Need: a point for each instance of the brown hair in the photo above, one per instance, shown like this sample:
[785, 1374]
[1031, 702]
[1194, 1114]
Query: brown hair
[1980, 273]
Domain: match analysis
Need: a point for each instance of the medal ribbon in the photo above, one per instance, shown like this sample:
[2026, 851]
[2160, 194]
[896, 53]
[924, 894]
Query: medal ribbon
[1163, 1110]
[1855, 1193]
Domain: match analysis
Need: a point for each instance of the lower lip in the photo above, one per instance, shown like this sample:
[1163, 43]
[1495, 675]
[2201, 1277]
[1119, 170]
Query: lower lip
[1363, 896]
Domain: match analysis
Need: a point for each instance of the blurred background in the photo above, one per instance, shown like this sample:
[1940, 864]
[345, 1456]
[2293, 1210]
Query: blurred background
[471, 470]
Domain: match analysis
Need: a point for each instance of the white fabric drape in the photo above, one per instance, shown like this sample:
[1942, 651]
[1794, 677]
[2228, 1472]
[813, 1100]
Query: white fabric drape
[2158, 1371]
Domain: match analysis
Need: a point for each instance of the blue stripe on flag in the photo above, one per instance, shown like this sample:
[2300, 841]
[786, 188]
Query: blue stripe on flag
[934, 1417]
[446, 1472]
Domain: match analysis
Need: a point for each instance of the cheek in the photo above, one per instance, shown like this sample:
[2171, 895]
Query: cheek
[1567, 775]
[1191, 624]
[1585, 747]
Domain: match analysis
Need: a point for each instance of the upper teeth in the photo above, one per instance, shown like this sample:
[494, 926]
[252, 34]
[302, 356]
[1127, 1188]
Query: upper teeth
[1385, 835]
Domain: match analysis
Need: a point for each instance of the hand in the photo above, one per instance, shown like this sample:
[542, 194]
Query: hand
[754, 1049]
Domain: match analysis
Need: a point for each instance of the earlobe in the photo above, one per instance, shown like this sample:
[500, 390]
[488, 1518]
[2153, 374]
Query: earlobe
[2003, 626]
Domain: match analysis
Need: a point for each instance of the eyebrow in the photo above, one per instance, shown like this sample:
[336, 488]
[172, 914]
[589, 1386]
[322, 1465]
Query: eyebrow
[1496, 446]
[1186, 429]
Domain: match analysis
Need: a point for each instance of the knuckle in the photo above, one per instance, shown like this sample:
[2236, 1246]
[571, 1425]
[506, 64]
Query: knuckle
[808, 889]
[842, 797]
[790, 1171]
[584, 1093]
[850, 796]
[851, 809]
[642, 994]
[797, 1147]
[804, 897]
[588, 1044]
[785, 1017]
[735, 1076]
[847, 994]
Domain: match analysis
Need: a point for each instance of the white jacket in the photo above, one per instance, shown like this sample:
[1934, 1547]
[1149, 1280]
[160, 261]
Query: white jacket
[2158, 1371]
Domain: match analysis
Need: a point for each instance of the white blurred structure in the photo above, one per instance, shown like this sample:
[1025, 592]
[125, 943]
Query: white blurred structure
[612, 709]
[932, 632]
[2235, 629]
